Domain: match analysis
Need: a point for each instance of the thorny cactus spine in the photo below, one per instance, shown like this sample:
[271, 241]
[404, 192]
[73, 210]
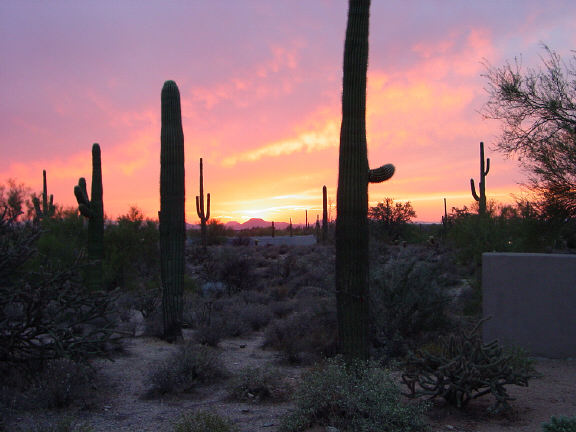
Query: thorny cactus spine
[203, 211]
[484, 169]
[171, 215]
[93, 209]
[352, 197]
[47, 209]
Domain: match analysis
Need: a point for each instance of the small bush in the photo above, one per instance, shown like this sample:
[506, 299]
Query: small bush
[57, 425]
[257, 316]
[361, 397]
[305, 335]
[257, 385]
[560, 424]
[61, 384]
[188, 367]
[210, 335]
[407, 301]
[204, 421]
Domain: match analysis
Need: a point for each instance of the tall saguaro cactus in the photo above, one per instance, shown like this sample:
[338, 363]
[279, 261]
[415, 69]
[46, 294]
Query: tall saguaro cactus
[47, 209]
[352, 289]
[203, 211]
[93, 209]
[171, 215]
[484, 169]
[324, 215]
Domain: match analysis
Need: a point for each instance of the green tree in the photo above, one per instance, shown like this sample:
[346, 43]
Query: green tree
[537, 108]
[13, 197]
[392, 217]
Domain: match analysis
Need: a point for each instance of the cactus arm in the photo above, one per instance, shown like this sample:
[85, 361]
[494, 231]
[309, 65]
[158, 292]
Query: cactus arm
[51, 207]
[473, 189]
[487, 166]
[378, 175]
[207, 206]
[82, 198]
[199, 211]
[36, 203]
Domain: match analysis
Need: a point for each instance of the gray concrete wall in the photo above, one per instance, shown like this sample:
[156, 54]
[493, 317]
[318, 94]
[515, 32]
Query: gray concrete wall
[531, 299]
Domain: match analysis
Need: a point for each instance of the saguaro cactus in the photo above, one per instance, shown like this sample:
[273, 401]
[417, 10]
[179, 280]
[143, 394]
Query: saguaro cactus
[171, 215]
[203, 211]
[47, 209]
[273, 230]
[352, 198]
[93, 209]
[484, 169]
[324, 215]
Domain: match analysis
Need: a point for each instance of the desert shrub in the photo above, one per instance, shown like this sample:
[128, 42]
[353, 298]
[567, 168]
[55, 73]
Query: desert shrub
[232, 267]
[257, 385]
[280, 309]
[256, 316]
[305, 335]
[59, 424]
[61, 384]
[255, 297]
[131, 255]
[465, 369]
[45, 311]
[188, 367]
[504, 229]
[204, 421]
[358, 397]
[560, 424]
[209, 335]
[407, 300]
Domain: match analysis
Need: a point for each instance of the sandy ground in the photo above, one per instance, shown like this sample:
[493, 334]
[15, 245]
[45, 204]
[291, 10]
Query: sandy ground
[123, 408]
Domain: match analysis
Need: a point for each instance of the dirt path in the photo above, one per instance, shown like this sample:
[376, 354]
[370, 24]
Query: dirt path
[125, 410]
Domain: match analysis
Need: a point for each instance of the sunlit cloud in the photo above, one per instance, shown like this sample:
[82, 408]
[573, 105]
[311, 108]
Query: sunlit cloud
[310, 141]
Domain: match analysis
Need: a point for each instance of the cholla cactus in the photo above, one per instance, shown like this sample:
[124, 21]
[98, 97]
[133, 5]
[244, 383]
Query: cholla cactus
[467, 368]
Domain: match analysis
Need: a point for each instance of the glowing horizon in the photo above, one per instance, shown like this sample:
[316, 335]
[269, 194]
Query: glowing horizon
[260, 85]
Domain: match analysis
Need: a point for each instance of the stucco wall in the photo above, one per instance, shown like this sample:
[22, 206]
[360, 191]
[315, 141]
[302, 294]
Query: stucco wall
[531, 299]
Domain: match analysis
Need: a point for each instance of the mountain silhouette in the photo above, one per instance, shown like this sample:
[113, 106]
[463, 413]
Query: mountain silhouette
[256, 223]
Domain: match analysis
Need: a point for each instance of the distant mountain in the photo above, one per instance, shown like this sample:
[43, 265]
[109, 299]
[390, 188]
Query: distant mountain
[255, 223]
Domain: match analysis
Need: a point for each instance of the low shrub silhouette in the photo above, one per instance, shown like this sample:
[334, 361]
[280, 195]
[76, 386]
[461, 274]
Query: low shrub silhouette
[357, 397]
[189, 366]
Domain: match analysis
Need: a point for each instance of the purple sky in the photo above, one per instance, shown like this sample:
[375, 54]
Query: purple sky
[260, 83]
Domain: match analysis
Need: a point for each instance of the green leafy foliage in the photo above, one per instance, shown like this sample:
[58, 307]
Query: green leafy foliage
[132, 251]
[360, 397]
[502, 229]
[560, 424]
[408, 301]
[45, 311]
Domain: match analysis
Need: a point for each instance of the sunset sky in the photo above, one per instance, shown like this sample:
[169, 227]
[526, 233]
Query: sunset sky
[260, 84]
